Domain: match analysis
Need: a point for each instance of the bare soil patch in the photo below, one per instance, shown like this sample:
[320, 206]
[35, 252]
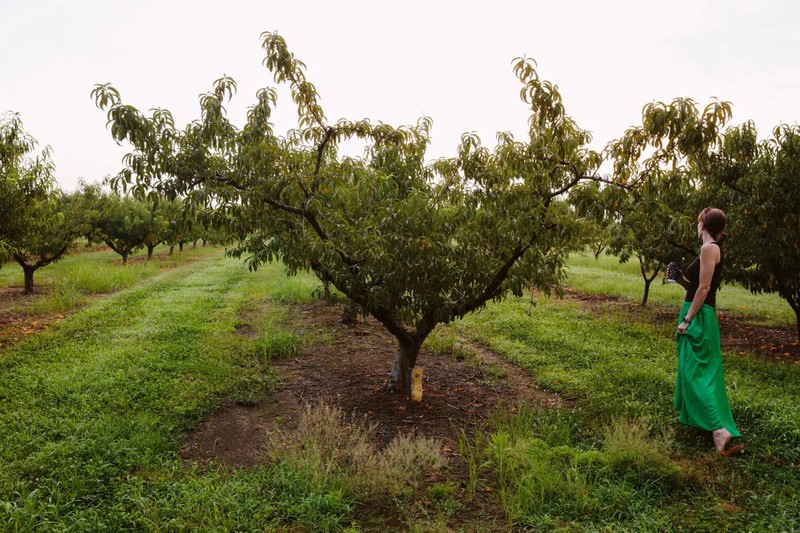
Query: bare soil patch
[15, 326]
[351, 372]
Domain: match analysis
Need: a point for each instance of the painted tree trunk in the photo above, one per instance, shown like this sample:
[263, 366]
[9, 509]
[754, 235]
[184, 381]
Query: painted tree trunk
[404, 361]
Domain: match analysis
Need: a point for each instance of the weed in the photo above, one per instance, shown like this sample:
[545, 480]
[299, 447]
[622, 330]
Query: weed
[327, 444]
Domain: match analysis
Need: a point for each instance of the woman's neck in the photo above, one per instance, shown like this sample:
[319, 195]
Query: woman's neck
[707, 238]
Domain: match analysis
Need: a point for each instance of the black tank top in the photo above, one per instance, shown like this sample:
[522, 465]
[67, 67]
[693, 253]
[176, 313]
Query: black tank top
[693, 275]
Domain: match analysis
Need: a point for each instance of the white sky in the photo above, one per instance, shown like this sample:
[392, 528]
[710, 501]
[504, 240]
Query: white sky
[393, 62]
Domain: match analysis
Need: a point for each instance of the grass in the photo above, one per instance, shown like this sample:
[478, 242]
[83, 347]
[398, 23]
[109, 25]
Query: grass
[72, 281]
[621, 372]
[96, 408]
[606, 275]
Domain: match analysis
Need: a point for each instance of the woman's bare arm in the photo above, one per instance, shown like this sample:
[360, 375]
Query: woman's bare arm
[709, 257]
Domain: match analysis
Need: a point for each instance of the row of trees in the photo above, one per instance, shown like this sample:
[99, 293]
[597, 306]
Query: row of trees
[416, 243]
[692, 164]
[39, 223]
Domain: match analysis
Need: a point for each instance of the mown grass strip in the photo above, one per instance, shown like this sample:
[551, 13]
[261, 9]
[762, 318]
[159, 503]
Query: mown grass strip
[616, 368]
[112, 389]
[69, 283]
[606, 275]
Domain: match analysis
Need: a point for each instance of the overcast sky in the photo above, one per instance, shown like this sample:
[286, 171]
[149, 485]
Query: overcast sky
[392, 62]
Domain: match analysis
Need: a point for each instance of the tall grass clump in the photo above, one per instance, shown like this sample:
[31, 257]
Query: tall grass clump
[276, 340]
[544, 473]
[329, 450]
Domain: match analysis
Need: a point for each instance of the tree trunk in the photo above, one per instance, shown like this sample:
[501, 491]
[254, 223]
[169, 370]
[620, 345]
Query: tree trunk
[647, 280]
[796, 308]
[124, 258]
[404, 361]
[194, 245]
[797, 318]
[646, 291]
[171, 249]
[150, 251]
[180, 246]
[598, 250]
[205, 242]
[28, 270]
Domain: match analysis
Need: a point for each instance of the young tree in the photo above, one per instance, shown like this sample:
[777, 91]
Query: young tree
[123, 224]
[26, 180]
[758, 183]
[50, 230]
[653, 217]
[413, 244]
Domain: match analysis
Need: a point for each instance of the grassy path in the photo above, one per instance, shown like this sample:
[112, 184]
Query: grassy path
[110, 391]
[619, 369]
[94, 411]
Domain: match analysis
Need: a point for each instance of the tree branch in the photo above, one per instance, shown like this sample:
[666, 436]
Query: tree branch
[328, 134]
[679, 246]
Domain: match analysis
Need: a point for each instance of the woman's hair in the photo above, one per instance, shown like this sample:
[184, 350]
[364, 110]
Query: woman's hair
[715, 222]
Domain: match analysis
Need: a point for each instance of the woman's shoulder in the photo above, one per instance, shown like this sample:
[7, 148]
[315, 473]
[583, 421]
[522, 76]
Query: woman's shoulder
[710, 249]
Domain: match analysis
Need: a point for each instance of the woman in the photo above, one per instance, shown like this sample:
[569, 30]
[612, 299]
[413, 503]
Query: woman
[700, 386]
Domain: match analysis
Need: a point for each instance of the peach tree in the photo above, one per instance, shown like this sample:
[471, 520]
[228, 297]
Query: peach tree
[759, 183]
[413, 243]
[652, 216]
[38, 223]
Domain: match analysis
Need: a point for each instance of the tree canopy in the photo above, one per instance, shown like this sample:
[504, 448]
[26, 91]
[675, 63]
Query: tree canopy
[26, 180]
[413, 243]
[758, 182]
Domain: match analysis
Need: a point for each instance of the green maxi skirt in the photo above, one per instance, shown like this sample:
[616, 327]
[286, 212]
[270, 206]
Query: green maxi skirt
[700, 395]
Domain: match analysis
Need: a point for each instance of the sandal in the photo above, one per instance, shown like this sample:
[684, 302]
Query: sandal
[727, 452]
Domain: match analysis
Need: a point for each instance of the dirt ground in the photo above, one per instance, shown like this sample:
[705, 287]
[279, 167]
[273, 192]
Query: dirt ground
[352, 369]
[351, 372]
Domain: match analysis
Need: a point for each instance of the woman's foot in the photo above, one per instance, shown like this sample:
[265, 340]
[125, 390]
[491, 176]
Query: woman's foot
[721, 438]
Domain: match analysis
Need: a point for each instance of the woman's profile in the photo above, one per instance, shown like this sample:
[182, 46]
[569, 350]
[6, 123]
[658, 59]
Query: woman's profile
[700, 395]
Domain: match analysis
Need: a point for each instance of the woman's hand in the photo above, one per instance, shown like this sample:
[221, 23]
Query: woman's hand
[681, 280]
[682, 327]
